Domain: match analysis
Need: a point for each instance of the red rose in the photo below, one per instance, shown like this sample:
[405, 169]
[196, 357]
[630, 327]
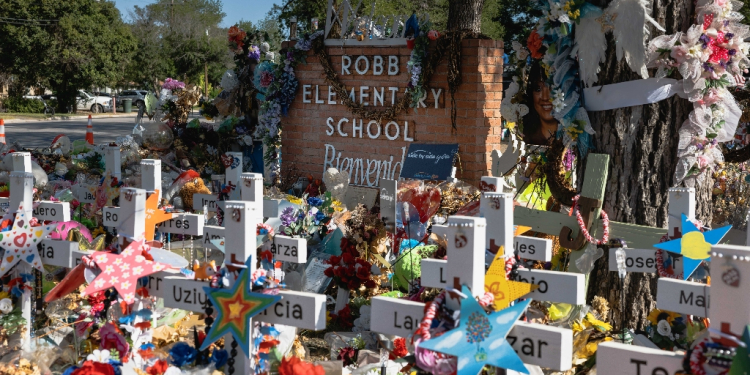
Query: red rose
[328, 272]
[363, 272]
[370, 284]
[159, 367]
[94, 368]
[347, 258]
[534, 43]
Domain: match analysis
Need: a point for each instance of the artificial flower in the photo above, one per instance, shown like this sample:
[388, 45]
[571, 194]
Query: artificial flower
[399, 348]
[664, 328]
[102, 356]
[158, 368]
[265, 47]
[296, 366]
[347, 354]
[112, 339]
[656, 315]
[182, 353]
[237, 36]
[219, 357]
[94, 368]
[254, 53]
[534, 44]
[314, 201]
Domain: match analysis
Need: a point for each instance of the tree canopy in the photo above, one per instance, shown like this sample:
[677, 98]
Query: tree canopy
[63, 45]
[177, 40]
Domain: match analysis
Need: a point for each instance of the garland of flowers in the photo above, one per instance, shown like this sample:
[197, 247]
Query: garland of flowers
[585, 232]
[660, 266]
[710, 57]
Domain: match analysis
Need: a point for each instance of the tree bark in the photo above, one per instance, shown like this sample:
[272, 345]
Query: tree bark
[465, 15]
[642, 144]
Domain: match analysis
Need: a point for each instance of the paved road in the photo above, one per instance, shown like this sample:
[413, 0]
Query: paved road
[34, 133]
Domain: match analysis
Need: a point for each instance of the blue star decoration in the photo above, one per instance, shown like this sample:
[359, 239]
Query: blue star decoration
[480, 339]
[694, 245]
[235, 308]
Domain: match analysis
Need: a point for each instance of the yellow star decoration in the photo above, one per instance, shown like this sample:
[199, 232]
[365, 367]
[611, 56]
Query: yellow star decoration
[234, 310]
[520, 229]
[503, 289]
[154, 215]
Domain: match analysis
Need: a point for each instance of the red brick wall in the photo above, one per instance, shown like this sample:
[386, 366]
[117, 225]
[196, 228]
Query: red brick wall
[478, 121]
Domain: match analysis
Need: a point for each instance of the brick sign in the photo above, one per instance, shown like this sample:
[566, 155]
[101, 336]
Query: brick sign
[320, 132]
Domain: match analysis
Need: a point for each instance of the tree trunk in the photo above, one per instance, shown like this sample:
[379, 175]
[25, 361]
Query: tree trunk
[642, 144]
[465, 15]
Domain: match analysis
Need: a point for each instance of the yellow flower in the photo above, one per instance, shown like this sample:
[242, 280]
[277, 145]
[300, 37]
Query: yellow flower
[294, 200]
[337, 205]
[653, 316]
[578, 327]
[598, 324]
[4, 294]
[97, 232]
[510, 125]
[328, 317]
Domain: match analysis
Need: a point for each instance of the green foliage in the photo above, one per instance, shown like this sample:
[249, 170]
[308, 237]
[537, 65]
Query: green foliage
[269, 28]
[86, 45]
[21, 105]
[178, 41]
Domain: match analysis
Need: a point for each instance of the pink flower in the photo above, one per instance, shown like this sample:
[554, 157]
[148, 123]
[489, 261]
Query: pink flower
[111, 339]
[721, 3]
[703, 161]
[679, 54]
[712, 97]
[265, 79]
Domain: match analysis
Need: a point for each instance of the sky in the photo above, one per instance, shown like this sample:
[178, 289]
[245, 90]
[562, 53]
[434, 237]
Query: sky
[235, 10]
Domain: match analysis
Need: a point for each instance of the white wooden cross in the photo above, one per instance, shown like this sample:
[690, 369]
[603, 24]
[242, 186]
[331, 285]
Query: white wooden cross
[731, 267]
[297, 309]
[535, 344]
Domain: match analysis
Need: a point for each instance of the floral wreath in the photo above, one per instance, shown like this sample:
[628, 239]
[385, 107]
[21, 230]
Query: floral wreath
[552, 44]
[711, 57]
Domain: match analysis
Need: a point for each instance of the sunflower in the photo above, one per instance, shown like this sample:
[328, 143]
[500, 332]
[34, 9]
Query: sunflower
[656, 315]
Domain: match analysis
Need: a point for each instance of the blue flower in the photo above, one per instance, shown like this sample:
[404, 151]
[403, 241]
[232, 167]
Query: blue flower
[319, 216]
[219, 357]
[182, 354]
[315, 201]
[70, 370]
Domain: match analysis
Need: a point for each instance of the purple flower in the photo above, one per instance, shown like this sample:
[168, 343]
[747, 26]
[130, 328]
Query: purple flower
[254, 53]
[707, 67]
[287, 216]
[732, 52]
[729, 35]
[699, 146]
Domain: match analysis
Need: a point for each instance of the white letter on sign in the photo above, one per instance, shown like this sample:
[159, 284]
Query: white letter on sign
[367, 65]
[392, 65]
[377, 65]
[346, 62]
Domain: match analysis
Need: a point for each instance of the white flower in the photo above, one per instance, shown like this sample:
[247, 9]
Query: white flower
[558, 100]
[664, 328]
[264, 47]
[270, 56]
[99, 356]
[6, 305]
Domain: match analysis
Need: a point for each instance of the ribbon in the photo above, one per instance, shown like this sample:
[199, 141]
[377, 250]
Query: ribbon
[631, 93]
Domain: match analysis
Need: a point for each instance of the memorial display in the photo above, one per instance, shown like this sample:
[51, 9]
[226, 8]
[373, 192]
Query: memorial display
[367, 200]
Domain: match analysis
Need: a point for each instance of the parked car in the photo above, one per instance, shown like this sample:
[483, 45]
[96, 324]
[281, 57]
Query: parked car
[100, 93]
[138, 97]
[93, 103]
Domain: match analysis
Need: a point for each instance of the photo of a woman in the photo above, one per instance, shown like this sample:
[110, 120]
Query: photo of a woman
[538, 125]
